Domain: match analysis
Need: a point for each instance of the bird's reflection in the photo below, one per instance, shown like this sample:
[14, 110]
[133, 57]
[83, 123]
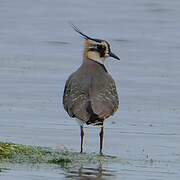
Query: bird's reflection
[94, 172]
[3, 169]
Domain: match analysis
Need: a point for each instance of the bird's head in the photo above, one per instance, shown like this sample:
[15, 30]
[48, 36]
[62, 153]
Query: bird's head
[96, 49]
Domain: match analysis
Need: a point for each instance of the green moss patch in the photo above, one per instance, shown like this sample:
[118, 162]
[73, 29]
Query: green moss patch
[17, 153]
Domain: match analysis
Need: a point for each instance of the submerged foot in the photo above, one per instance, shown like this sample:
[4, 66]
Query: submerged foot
[101, 153]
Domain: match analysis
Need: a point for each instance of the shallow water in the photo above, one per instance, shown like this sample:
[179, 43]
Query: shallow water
[38, 51]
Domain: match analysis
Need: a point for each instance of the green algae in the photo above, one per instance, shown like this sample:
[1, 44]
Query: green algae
[18, 153]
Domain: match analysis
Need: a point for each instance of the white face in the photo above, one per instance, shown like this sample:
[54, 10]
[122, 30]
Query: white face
[107, 48]
[98, 51]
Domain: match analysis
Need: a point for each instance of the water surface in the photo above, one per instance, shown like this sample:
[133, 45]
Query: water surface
[38, 51]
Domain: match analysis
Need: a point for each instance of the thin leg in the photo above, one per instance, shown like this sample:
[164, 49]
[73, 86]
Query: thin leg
[101, 134]
[82, 137]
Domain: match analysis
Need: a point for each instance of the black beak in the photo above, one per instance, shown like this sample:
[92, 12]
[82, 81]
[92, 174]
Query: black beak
[114, 56]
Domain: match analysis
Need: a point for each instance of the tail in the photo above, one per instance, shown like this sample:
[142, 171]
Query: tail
[94, 118]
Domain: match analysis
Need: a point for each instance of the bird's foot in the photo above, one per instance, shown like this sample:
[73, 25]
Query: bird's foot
[101, 153]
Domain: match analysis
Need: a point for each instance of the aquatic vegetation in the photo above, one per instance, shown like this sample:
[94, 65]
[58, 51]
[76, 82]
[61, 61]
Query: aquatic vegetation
[18, 153]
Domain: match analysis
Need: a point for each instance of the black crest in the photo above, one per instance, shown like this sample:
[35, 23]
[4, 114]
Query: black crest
[84, 35]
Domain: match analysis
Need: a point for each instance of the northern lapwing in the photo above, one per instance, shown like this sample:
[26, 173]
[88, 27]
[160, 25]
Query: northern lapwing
[90, 93]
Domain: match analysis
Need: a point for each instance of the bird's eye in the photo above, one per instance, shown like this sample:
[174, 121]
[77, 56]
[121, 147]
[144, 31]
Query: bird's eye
[101, 49]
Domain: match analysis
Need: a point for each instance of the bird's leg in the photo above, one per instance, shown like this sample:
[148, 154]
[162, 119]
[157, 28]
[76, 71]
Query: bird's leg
[82, 137]
[101, 134]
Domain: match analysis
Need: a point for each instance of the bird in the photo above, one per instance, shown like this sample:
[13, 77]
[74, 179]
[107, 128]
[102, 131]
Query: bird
[90, 94]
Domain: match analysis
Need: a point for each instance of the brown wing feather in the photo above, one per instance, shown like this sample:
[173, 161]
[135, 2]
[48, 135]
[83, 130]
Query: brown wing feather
[105, 100]
[90, 96]
[75, 99]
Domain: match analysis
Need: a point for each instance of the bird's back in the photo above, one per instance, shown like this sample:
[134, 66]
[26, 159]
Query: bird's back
[90, 94]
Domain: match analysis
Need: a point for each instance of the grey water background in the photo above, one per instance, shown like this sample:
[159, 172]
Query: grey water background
[39, 50]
